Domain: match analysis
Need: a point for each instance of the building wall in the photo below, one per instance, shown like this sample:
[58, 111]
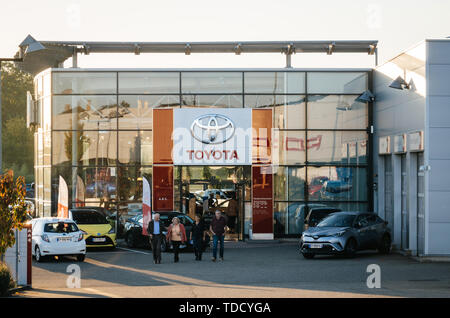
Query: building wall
[438, 156]
[398, 112]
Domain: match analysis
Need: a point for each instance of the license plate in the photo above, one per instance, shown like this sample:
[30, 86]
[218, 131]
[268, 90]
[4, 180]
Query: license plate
[98, 239]
[316, 245]
[64, 239]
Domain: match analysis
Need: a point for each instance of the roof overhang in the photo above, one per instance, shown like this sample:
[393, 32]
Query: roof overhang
[39, 55]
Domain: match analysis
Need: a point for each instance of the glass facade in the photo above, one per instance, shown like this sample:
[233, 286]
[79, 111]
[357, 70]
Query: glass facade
[98, 126]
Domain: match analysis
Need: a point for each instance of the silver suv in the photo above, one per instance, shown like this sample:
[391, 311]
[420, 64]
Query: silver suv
[346, 233]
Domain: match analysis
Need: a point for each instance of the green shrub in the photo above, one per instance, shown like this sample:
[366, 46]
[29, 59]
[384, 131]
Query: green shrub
[6, 280]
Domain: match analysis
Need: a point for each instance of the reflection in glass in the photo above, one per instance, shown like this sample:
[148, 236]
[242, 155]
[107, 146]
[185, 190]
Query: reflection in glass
[211, 82]
[149, 82]
[274, 82]
[333, 147]
[288, 147]
[84, 83]
[212, 101]
[337, 82]
[280, 225]
[136, 111]
[296, 183]
[280, 184]
[87, 148]
[135, 147]
[84, 112]
[336, 112]
[337, 184]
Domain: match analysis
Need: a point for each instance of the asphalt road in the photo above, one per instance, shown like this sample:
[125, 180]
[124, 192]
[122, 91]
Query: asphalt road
[249, 270]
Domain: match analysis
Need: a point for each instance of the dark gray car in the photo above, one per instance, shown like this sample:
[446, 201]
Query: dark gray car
[346, 233]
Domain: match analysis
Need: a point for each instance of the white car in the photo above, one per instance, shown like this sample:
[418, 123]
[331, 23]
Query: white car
[57, 236]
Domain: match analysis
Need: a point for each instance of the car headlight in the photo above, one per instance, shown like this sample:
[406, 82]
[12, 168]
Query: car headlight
[112, 231]
[341, 233]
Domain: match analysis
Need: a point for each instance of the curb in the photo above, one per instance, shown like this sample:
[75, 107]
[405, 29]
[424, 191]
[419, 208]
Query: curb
[19, 289]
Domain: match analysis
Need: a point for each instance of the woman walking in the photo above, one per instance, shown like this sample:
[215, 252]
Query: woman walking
[176, 234]
[198, 237]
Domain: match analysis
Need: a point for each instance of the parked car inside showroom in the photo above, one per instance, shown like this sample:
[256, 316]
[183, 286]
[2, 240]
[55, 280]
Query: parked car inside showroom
[135, 238]
[57, 237]
[346, 233]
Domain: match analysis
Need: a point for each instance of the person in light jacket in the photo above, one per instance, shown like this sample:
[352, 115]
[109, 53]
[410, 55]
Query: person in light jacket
[176, 235]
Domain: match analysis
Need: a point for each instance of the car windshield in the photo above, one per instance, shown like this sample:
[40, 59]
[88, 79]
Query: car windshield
[337, 220]
[60, 227]
[88, 217]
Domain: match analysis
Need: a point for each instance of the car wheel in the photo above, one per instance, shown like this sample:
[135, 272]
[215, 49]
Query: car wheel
[385, 245]
[37, 255]
[130, 240]
[308, 255]
[350, 248]
[81, 257]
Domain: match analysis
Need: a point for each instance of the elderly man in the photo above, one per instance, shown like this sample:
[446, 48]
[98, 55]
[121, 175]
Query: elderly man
[155, 229]
[217, 228]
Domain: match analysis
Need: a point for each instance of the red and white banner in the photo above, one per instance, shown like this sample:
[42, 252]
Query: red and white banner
[63, 199]
[79, 192]
[146, 205]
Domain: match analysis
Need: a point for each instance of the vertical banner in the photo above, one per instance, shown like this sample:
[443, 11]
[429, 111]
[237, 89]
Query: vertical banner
[146, 205]
[63, 199]
[79, 192]
[262, 205]
[162, 188]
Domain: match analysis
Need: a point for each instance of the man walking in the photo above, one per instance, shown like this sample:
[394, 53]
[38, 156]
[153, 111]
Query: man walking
[155, 230]
[217, 228]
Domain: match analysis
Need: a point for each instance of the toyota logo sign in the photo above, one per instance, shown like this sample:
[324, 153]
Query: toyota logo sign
[212, 129]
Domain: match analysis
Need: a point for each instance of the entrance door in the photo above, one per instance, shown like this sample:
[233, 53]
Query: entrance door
[205, 189]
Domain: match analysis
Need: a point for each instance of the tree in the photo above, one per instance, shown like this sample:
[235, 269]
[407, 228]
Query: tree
[17, 140]
[12, 209]
[18, 146]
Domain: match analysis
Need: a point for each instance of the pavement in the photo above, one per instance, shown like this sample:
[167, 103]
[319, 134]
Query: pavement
[249, 270]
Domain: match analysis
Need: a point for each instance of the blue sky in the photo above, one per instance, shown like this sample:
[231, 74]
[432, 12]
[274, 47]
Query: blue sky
[396, 24]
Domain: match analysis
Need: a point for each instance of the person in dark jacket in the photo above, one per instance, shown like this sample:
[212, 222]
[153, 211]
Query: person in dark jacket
[217, 228]
[155, 230]
[198, 234]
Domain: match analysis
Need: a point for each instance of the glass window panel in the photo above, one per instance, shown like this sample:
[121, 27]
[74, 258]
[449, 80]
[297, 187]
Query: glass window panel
[296, 183]
[333, 147]
[47, 147]
[288, 147]
[40, 149]
[296, 217]
[337, 184]
[280, 184]
[84, 112]
[136, 111]
[280, 226]
[46, 114]
[91, 147]
[274, 82]
[336, 112]
[136, 147]
[343, 206]
[149, 83]
[47, 184]
[289, 112]
[212, 101]
[84, 83]
[211, 82]
[130, 185]
[97, 185]
[337, 82]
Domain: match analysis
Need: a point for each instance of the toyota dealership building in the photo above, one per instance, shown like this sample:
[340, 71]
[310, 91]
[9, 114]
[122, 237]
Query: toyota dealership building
[281, 142]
